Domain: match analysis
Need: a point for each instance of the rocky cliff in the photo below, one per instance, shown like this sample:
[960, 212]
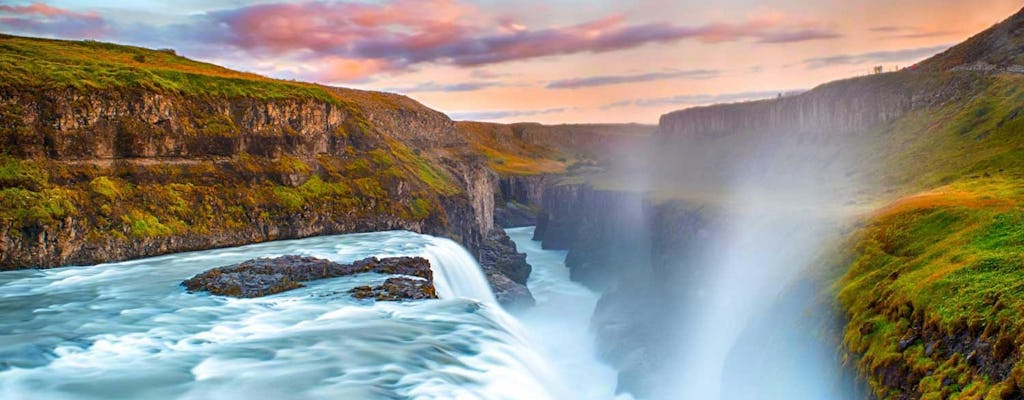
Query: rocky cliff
[596, 141]
[831, 110]
[179, 155]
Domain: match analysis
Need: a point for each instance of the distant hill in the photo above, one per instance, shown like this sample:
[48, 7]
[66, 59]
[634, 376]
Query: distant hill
[999, 47]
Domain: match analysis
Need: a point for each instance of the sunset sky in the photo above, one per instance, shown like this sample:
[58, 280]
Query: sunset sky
[546, 61]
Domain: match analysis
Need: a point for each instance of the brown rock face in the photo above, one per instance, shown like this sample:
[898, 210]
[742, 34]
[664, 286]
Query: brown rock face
[71, 124]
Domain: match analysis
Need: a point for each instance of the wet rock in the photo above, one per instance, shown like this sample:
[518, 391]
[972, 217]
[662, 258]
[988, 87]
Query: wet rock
[907, 341]
[511, 295]
[397, 289]
[266, 276]
[506, 270]
[499, 253]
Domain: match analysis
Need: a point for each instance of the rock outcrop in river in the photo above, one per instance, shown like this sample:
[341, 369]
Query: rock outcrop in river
[266, 276]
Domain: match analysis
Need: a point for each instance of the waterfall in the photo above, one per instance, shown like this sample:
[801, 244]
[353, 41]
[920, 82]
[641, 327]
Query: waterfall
[131, 338]
[456, 273]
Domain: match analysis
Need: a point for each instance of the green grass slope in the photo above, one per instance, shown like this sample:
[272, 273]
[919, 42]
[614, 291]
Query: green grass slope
[933, 291]
[48, 63]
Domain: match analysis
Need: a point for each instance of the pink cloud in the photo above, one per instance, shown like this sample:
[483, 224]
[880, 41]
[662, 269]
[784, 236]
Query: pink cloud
[35, 8]
[40, 18]
[335, 69]
[350, 41]
[322, 26]
[395, 35]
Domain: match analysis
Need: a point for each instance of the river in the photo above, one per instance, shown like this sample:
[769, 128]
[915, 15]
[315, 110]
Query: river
[127, 330]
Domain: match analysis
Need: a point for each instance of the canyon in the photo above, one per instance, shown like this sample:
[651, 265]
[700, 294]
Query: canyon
[838, 218]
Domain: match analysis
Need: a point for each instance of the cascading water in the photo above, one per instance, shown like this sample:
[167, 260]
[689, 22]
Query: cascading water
[456, 273]
[559, 325]
[129, 331]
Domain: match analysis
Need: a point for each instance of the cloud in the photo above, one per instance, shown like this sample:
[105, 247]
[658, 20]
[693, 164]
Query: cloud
[700, 99]
[876, 56]
[501, 114]
[909, 32]
[486, 74]
[334, 69]
[802, 35]
[34, 8]
[351, 41]
[606, 80]
[453, 87]
[889, 28]
[42, 19]
[398, 34]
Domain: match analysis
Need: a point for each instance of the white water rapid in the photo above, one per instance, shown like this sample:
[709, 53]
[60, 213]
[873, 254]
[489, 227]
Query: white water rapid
[128, 331]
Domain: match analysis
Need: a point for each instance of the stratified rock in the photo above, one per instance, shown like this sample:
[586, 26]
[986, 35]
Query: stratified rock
[265, 276]
[499, 253]
[506, 270]
[397, 289]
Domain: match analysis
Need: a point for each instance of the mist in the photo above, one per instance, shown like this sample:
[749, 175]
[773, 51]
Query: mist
[739, 300]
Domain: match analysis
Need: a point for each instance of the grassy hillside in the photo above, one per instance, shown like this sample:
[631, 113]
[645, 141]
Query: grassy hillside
[934, 292]
[1000, 46]
[509, 156]
[56, 209]
[978, 136]
[933, 284]
[46, 63]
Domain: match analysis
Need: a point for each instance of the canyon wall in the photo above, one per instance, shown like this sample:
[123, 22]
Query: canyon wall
[593, 140]
[837, 108]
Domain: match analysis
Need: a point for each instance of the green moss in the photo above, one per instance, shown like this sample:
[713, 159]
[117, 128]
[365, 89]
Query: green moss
[434, 177]
[316, 188]
[292, 165]
[21, 173]
[142, 224]
[289, 198]
[220, 125]
[22, 207]
[109, 188]
[420, 208]
[381, 158]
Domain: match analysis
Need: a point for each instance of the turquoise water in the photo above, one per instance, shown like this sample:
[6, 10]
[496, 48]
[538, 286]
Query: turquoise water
[128, 331]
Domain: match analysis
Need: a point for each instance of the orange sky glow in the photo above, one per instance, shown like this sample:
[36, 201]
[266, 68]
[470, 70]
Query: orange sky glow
[547, 61]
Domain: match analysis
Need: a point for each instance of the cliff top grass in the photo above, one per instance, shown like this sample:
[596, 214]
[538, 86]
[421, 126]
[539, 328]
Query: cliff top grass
[508, 155]
[969, 138]
[50, 63]
[949, 260]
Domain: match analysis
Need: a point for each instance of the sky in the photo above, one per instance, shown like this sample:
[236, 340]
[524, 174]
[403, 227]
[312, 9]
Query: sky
[556, 61]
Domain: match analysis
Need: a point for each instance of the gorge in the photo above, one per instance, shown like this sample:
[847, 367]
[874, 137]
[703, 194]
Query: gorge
[861, 239]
